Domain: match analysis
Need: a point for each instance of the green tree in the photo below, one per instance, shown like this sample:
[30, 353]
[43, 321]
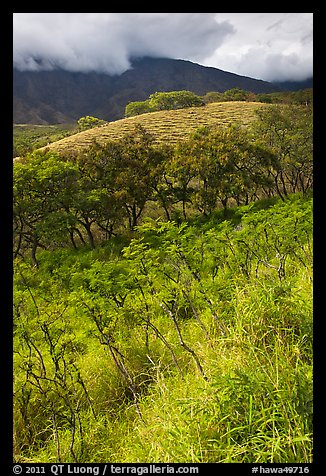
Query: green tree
[138, 172]
[182, 170]
[288, 133]
[214, 166]
[174, 100]
[88, 122]
[137, 107]
[121, 176]
[237, 94]
[213, 96]
[303, 97]
[43, 185]
[99, 170]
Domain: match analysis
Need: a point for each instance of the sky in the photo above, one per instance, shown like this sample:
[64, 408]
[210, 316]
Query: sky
[268, 46]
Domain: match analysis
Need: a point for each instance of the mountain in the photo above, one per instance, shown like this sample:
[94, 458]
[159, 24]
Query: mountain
[294, 85]
[48, 97]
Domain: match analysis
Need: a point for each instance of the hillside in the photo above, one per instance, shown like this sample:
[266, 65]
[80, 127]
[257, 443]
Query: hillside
[191, 344]
[162, 296]
[169, 126]
[57, 96]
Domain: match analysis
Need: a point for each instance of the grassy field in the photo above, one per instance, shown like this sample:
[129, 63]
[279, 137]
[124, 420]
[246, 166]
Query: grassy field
[170, 126]
[27, 137]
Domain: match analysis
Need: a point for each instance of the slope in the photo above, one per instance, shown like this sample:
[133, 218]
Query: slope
[169, 126]
[215, 366]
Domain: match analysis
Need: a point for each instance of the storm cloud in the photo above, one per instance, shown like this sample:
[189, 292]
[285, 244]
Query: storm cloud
[106, 41]
[266, 46]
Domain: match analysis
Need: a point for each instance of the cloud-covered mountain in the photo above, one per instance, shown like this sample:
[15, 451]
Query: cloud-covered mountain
[268, 46]
[56, 96]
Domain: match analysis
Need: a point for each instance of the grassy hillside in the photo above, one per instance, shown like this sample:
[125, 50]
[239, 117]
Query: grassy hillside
[152, 322]
[170, 126]
[193, 343]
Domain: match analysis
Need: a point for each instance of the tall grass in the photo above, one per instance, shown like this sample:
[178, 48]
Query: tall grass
[251, 403]
[170, 126]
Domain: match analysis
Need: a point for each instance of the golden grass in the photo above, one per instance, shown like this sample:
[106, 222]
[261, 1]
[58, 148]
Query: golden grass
[165, 126]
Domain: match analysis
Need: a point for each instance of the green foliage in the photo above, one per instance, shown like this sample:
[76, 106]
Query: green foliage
[192, 344]
[287, 132]
[237, 94]
[42, 186]
[153, 340]
[234, 94]
[97, 194]
[27, 138]
[213, 96]
[174, 100]
[138, 107]
[88, 122]
[303, 97]
[162, 101]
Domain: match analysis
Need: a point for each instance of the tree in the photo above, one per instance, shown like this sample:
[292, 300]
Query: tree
[88, 122]
[182, 170]
[43, 185]
[174, 100]
[98, 201]
[138, 172]
[161, 101]
[137, 107]
[237, 94]
[217, 154]
[213, 96]
[216, 165]
[286, 130]
[120, 176]
[303, 97]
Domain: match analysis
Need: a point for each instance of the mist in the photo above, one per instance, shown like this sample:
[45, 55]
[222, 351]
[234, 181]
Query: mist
[270, 46]
[106, 42]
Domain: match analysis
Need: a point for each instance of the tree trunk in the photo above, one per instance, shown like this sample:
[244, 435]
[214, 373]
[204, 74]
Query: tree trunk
[71, 233]
[16, 252]
[224, 203]
[80, 235]
[184, 209]
[87, 225]
[278, 189]
[33, 253]
[90, 236]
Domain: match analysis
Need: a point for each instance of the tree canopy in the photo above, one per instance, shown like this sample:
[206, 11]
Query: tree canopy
[108, 188]
[164, 101]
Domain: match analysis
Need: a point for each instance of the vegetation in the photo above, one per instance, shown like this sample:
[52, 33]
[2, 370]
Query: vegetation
[193, 344]
[163, 101]
[88, 122]
[303, 97]
[181, 99]
[175, 125]
[108, 187]
[165, 126]
[162, 303]
[27, 138]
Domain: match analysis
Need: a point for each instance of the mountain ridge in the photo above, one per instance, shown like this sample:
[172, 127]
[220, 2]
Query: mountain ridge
[57, 96]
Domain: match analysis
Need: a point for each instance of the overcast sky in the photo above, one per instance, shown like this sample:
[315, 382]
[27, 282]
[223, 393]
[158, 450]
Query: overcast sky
[269, 46]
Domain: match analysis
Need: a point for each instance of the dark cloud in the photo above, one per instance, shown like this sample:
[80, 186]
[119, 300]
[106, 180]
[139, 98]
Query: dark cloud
[270, 46]
[106, 41]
